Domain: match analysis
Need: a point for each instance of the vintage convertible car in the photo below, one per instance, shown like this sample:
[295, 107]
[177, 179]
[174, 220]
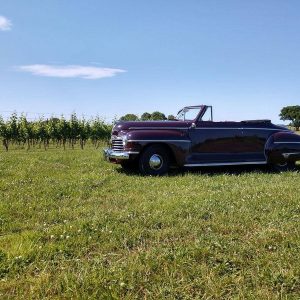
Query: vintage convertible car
[194, 140]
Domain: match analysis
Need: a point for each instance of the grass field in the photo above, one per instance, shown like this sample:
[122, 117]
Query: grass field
[73, 226]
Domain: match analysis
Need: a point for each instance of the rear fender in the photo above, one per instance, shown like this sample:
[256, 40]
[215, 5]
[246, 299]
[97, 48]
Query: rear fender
[283, 147]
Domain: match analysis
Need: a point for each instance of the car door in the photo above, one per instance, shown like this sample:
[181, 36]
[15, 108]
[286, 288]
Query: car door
[216, 143]
[255, 137]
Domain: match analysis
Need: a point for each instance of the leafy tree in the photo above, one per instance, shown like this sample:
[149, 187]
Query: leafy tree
[4, 133]
[64, 131]
[41, 132]
[22, 129]
[14, 128]
[171, 117]
[84, 132]
[99, 131]
[158, 116]
[74, 129]
[291, 113]
[53, 130]
[146, 116]
[129, 117]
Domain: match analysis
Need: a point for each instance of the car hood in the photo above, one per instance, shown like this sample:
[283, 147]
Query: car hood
[131, 125]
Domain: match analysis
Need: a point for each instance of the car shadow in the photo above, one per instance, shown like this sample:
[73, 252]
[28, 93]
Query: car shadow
[212, 171]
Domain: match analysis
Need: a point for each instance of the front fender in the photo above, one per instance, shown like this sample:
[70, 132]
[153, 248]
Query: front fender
[282, 147]
[176, 140]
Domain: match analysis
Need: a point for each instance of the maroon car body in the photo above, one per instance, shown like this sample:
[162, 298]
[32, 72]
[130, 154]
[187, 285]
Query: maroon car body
[196, 142]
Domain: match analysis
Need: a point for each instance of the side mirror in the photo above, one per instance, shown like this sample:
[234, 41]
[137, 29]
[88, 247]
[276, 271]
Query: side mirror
[193, 125]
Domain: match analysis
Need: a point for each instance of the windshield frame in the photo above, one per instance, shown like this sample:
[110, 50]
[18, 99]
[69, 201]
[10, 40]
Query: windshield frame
[181, 113]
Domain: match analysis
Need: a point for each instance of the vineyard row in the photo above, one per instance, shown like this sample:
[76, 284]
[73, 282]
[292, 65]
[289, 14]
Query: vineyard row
[61, 132]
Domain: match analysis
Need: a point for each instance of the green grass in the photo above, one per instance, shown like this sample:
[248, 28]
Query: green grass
[73, 226]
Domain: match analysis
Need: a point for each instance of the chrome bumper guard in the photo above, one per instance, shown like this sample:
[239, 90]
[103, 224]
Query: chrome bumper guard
[111, 154]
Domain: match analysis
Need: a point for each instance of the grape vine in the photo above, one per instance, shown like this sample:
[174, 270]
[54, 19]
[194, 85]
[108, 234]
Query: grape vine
[59, 132]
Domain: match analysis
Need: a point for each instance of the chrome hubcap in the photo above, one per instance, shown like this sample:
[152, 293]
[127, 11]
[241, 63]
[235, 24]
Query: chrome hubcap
[155, 162]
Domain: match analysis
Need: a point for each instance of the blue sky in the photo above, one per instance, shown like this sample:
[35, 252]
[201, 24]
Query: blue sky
[114, 57]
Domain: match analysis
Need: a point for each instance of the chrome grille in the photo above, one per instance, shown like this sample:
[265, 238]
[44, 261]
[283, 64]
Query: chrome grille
[117, 144]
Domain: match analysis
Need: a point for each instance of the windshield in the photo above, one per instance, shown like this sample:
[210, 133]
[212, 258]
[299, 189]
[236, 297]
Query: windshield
[188, 113]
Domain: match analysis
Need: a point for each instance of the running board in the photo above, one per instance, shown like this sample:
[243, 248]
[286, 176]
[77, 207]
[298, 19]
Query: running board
[227, 164]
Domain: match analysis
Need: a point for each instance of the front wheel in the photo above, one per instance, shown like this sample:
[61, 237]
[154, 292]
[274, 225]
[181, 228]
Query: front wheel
[284, 166]
[154, 161]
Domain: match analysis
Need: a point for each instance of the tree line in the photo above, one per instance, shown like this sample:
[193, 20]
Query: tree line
[61, 132]
[155, 116]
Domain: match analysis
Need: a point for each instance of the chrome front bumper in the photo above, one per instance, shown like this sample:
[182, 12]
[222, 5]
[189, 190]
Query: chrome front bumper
[111, 154]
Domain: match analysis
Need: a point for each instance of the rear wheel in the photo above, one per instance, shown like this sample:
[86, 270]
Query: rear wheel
[284, 166]
[154, 161]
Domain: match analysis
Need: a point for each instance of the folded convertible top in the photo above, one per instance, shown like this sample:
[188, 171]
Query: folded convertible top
[256, 121]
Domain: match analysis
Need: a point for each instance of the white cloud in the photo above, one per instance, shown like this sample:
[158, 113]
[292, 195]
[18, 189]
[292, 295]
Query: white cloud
[71, 71]
[5, 24]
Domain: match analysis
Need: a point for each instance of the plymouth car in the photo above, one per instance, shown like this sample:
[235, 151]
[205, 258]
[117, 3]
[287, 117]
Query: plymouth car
[193, 139]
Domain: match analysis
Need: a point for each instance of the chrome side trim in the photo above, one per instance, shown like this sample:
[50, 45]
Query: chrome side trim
[286, 142]
[227, 164]
[241, 128]
[153, 128]
[172, 141]
[209, 128]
